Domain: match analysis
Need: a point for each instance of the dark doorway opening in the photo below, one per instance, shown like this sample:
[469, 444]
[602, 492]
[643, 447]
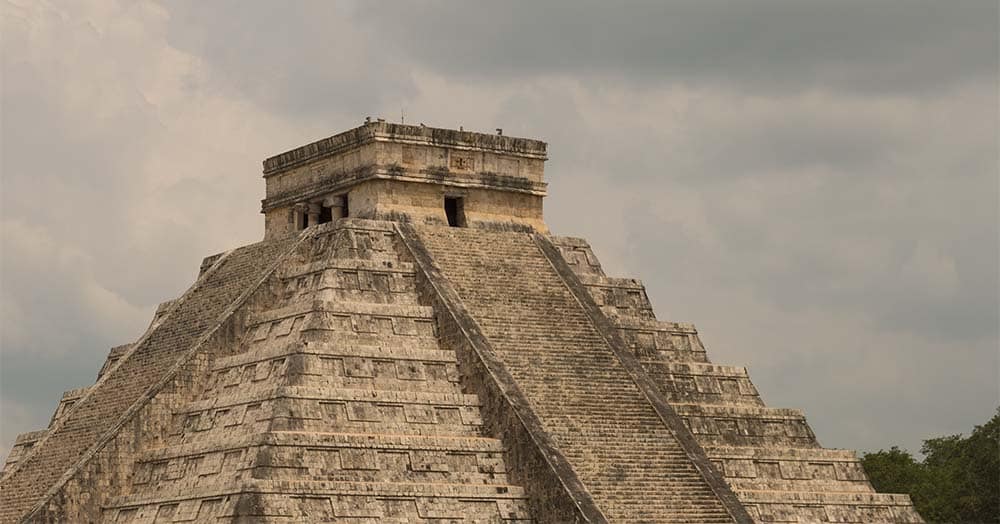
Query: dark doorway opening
[454, 209]
[345, 211]
[325, 215]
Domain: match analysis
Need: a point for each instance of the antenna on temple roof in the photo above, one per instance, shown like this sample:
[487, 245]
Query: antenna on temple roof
[368, 119]
[402, 118]
[500, 131]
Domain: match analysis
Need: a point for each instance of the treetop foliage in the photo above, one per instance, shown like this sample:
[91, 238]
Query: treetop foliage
[958, 480]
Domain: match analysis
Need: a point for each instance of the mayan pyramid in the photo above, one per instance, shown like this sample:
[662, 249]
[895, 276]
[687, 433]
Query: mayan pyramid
[409, 344]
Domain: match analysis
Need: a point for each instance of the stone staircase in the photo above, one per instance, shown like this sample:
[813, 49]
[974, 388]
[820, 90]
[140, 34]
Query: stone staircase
[769, 457]
[633, 465]
[338, 403]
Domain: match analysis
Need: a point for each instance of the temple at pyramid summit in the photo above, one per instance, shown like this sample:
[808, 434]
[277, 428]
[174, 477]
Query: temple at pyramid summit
[410, 343]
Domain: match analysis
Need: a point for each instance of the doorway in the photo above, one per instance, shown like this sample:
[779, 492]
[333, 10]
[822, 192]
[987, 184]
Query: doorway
[454, 210]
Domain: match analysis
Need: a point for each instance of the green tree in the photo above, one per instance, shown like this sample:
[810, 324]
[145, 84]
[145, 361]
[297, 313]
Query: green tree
[958, 480]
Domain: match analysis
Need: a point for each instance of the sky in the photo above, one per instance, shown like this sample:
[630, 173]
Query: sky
[813, 184]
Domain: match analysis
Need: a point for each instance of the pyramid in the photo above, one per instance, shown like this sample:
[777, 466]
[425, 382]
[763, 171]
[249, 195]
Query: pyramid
[409, 343]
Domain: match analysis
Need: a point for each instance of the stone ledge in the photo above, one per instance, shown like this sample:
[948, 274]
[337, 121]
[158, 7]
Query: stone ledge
[389, 132]
[800, 454]
[329, 349]
[348, 264]
[700, 410]
[347, 308]
[481, 180]
[319, 487]
[326, 440]
[814, 497]
[269, 393]
[697, 368]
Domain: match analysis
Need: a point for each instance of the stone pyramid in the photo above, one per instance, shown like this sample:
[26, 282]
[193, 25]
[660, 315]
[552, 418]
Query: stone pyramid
[409, 344]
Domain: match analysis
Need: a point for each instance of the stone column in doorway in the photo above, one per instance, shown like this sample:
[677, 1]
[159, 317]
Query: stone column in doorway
[314, 209]
[336, 205]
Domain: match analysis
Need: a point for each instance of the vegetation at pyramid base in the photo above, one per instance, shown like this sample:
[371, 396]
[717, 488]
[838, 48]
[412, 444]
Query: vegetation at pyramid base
[958, 480]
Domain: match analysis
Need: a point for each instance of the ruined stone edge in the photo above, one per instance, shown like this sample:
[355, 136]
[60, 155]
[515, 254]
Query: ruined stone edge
[642, 380]
[155, 388]
[515, 398]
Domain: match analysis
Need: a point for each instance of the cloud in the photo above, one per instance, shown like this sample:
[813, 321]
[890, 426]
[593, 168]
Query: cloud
[764, 46]
[304, 60]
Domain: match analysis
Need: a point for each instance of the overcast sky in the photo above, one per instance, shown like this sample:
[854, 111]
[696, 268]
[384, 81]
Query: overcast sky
[814, 185]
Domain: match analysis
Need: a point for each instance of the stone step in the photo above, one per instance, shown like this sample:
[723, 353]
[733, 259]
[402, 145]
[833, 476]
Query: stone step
[399, 509]
[789, 469]
[441, 422]
[386, 285]
[799, 506]
[313, 501]
[407, 298]
[22, 445]
[702, 383]
[781, 454]
[313, 488]
[747, 426]
[816, 497]
[374, 465]
[258, 408]
[578, 255]
[336, 366]
[369, 309]
[809, 485]
[319, 325]
[257, 395]
[292, 271]
[698, 368]
[388, 376]
[322, 456]
[327, 440]
[116, 354]
[336, 348]
[619, 297]
[68, 399]
[424, 340]
[678, 328]
[659, 340]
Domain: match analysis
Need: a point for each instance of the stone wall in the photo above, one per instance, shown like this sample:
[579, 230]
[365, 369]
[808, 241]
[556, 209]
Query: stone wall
[397, 172]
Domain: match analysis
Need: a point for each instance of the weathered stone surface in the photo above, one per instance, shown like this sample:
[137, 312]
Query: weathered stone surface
[769, 457]
[367, 363]
[401, 172]
[632, 463]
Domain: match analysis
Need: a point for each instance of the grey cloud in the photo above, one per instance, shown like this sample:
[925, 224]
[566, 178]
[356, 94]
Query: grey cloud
[307, 59]
[78, 176]
[837, 357]
[769, 45]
